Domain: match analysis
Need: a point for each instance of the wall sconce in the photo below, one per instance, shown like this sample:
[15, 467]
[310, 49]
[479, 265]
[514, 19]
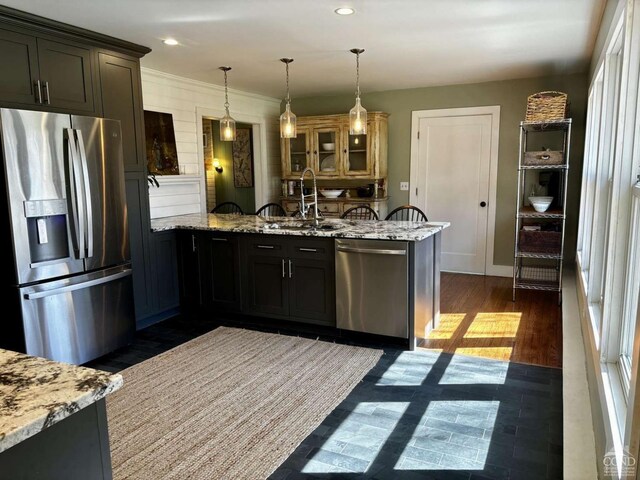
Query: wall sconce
[217, 166]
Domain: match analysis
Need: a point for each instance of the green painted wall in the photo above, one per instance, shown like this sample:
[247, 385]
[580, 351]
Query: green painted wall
[225, 190]
[511, 95]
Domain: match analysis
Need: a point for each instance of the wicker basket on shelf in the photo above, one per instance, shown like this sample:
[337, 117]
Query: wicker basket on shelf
[546, 107]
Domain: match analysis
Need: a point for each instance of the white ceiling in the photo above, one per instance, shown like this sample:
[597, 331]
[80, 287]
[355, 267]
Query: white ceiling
[409, 43]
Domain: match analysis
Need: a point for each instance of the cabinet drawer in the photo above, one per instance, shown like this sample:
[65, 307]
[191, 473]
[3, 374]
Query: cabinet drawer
[305, 247]
[290, 206]
[329, 208]
[265, 245]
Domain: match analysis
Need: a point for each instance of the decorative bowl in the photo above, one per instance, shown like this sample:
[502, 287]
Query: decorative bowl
[540, 204]
[331, 193]
[328, 146]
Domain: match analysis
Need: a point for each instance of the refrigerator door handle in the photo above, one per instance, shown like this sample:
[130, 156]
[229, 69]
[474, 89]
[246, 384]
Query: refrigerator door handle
[77, 194]
[77, 286]
[87, 194]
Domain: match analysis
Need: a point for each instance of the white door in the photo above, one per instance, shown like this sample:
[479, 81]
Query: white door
[453, 167]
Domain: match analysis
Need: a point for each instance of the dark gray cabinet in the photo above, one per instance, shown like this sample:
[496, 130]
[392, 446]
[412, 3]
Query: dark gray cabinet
[46, 74]
[138, 245]
[164, 271]
[189, 271]
[65, 76]
[122, 99]
[209, 272]
[219, 263]
[312, 280]
[265, 275]
[273, 276]
[292, 278]
[19, 60]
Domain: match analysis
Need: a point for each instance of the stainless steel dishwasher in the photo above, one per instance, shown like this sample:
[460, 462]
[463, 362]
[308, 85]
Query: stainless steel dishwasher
[372, 286]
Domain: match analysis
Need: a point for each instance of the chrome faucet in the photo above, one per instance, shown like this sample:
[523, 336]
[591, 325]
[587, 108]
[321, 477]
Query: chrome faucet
[304, 206]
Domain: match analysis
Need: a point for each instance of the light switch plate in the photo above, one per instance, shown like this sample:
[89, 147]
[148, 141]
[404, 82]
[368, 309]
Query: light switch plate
[404, 185]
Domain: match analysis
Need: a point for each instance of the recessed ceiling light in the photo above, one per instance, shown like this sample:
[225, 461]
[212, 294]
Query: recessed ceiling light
[345, 11]
[170, 41]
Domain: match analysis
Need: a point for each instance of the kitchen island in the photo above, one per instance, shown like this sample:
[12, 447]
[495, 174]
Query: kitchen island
[287, 269]
[53, 421]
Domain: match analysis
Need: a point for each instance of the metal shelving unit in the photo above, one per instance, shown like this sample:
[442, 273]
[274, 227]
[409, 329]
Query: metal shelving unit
[534, 268]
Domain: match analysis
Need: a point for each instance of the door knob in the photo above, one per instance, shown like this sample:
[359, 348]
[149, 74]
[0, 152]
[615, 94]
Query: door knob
[483, 204]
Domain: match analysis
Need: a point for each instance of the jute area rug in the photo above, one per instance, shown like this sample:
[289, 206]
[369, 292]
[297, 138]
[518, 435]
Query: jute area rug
[231, 404]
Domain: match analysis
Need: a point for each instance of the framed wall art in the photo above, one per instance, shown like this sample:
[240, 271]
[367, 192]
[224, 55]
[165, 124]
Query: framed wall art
[242, 152]
[160, 139]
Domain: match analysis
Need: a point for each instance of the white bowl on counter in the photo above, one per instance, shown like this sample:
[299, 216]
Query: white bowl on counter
[540, 204]
[328, 147]
[331, 193]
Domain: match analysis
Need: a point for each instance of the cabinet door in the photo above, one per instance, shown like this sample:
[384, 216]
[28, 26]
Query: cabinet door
[164, 268]
[122, 100]
[296, 154]
[265, 285]
[189, 271]
[65, 73]
[311, 273]
[357, 153]
[220, 271]
[138, 222]
[19, 60]
[326, 151]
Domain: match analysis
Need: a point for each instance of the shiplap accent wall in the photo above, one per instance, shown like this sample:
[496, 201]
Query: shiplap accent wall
[181, 97]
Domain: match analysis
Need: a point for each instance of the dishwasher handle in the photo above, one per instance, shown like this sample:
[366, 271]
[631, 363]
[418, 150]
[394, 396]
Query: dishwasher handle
[374, 251]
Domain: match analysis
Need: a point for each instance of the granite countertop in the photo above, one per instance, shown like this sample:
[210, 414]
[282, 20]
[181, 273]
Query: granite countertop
[329, 227]
[36, 393]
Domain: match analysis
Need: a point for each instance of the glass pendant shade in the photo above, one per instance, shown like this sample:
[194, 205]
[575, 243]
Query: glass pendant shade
[227, 128]
[288, 127]
[357, 119]
[357, 115]
[288, 123]
[227, 123]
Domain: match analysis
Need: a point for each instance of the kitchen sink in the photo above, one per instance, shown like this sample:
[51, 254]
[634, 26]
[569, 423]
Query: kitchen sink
[301, 226]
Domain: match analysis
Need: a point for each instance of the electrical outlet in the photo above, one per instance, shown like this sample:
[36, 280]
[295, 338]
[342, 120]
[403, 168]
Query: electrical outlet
[404, 185]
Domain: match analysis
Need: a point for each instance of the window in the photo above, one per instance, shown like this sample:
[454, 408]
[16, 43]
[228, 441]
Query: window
[631, 293]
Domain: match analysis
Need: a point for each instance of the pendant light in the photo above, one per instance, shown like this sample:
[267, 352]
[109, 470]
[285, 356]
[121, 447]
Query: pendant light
[227, 124]
[288, 119]
[357, 115]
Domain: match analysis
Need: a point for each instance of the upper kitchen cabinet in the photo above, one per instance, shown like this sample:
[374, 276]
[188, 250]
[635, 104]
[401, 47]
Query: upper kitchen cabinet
[365, 156]
[65, 76]
[296, 153]
[122, 99]
[19, 60]
[324, 143]
[45, 74]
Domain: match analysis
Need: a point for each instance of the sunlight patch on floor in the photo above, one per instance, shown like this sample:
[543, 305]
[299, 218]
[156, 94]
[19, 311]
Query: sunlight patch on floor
[436, 443]
[463, 370]
[359, 437]
[496, 353]
[409, 369]
[494, 325]
[449, 323]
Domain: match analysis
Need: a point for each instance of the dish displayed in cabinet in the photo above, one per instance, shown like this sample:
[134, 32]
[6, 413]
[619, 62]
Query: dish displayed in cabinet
[328, 164]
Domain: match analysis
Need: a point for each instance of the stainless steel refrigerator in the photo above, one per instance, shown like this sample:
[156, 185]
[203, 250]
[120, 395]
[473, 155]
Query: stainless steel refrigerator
[70, 277]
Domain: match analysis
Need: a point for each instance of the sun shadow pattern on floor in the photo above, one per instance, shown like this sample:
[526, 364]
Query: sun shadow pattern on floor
[430, 415]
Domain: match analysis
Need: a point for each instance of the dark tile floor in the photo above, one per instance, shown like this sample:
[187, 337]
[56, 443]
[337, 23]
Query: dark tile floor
[422, 415]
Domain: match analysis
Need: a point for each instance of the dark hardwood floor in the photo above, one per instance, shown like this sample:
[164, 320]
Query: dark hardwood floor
[478, 318]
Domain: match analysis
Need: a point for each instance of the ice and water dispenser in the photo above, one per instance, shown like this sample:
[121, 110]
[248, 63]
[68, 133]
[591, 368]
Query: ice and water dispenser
[47, 230]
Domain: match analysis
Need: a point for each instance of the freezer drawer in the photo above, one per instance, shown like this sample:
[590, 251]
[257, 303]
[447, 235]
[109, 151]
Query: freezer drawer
[372, 286]
[79, 318]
